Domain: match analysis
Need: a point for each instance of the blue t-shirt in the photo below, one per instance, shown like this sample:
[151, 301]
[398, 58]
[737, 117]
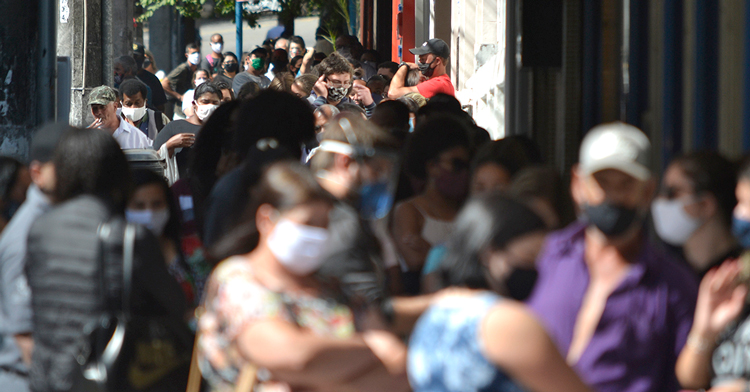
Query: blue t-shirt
[445, 353]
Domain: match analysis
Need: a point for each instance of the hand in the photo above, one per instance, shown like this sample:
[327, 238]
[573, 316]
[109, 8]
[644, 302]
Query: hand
[98, 122]
[720, 300]
[180, 140]
[321, 87]
[129, 121]
[388, 348]
[734, 386]
[364, 94]
[308, 55]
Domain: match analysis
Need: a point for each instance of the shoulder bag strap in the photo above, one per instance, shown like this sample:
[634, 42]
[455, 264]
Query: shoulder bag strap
[103, 233]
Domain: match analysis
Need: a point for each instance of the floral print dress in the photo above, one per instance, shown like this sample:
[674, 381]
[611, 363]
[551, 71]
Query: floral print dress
[235, 299]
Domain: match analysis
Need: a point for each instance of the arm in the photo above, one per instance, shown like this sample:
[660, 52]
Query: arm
[25, 345]
[516, 342]
[165, 83]
[720, 301]
[407, 232]
[307, 61]
[302, 358]
[397, 88]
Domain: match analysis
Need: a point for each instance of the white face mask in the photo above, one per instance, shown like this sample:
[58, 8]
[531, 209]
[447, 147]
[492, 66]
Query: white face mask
[198, 82]
[155, 221]
[216, 47]
[299, 248]
[672, 223]
[194, 58]
[134, 114]
[204, 111]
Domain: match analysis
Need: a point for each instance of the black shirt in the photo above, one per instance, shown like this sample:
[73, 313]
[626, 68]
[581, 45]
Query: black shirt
[158, 96]
[224, 78]
[174, 128]
[215, 68]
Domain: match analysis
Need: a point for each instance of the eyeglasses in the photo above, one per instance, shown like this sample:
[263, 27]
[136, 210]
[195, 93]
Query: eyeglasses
[337, 84]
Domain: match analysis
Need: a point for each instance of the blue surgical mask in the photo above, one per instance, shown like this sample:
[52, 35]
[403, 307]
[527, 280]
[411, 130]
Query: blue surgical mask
[375, 200]
[741, 231]
[411, 125]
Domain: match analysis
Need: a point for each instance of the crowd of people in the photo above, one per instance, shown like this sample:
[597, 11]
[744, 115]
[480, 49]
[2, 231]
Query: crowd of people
[321, 221]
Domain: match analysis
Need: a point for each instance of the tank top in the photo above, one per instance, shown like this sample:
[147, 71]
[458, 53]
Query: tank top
[434, 231]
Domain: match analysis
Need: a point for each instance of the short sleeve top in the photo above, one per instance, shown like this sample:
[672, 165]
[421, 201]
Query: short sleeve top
[436, 85]
[235, 300]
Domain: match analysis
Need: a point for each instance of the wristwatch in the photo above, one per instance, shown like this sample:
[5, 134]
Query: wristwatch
[403, 63]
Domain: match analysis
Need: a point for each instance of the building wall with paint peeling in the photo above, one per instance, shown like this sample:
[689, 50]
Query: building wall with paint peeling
[18, 50]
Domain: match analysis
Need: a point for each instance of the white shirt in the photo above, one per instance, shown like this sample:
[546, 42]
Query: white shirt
[130, 137]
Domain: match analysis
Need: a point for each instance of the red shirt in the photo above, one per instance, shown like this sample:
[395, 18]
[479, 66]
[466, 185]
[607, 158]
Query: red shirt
[436, 85]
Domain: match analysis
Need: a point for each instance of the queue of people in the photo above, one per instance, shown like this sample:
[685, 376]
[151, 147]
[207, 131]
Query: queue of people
[329, 225]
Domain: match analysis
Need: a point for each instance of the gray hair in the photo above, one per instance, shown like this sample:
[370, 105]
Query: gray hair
[128, 63]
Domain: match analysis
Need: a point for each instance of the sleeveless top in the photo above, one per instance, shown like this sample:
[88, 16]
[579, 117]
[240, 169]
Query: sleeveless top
[434, 231]
[445, 353]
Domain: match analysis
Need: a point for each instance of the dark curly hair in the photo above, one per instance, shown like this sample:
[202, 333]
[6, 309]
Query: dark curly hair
[335, 63]
[433, 136]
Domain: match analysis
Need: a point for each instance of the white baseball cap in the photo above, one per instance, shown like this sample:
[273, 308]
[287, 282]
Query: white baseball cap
[616, 146]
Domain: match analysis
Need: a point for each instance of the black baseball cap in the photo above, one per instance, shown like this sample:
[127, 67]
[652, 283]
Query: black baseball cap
[436, 46]
[45, 140]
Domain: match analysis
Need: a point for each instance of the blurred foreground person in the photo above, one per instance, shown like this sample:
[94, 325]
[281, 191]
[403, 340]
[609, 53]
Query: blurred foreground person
[694, 209]
[618, 308]
[741, 214]
[266, 309]
[16, 343]
[476, 340]
[14, 181]
[716, 351]
[64, 258]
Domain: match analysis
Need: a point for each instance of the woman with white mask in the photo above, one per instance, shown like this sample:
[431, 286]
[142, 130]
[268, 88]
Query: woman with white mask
[694, 209]
[267, 309]
[153, 206]
[206, 99]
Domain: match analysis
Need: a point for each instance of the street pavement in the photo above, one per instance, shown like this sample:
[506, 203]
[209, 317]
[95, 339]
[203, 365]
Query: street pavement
[251, 37]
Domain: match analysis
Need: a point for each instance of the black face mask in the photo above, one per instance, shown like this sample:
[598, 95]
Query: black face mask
[611, 219]
[425, 68]
[231, 67]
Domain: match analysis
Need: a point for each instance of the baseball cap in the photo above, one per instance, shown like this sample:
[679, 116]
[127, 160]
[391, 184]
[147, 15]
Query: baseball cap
[616, 146]
[139, 49]
[102, 95]
[45, 140]
[435, 45]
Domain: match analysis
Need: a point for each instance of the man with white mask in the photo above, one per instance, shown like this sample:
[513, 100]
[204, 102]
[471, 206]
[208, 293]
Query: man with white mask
[134, 109]
[180, 80]
[694, 209]
[617, 307]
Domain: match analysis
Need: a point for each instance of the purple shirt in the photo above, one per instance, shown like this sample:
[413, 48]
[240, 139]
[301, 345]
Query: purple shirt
[644, 324]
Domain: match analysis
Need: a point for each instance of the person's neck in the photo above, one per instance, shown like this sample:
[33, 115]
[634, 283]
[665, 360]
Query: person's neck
[215, 55]
[194, 120]
[441, 202]
[230, 74]
[192, 66]
[334, 103]
[709, 242]
[254, 72]
[607, 257]
[437, 73]
[113, 124]
[272, 274]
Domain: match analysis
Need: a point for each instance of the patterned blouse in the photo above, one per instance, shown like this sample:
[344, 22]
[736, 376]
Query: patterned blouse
[445, 353]
[235, 299]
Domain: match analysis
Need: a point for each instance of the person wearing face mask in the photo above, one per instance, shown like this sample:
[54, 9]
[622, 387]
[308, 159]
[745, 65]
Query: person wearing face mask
[611, 300]
[207, 98]
[199, 77]
[15, 299]
[255, 66]
[152, 205]
[473, 341]
[433, 58]
[694, 209]
[269, 305]
[230, 67]
[335, 84]
[103, 104]
[213, 61]
[135, 110]
[438, 153]
[180, 80]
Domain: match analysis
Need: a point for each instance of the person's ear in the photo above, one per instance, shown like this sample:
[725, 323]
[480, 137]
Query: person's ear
[708, 205]
[342, 162]
[265, 219]
[576, 186]
[35, 171]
